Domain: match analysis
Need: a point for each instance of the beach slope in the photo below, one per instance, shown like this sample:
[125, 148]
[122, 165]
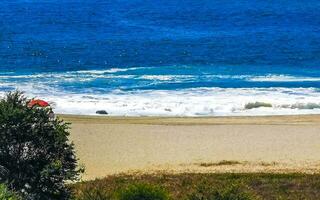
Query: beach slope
[111, 145]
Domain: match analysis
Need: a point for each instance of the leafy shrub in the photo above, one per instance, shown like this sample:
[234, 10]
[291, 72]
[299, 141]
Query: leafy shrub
[36, 157]
[93, 193]
[257, 105]
[231, 192]
[142, 192]
[5, 194]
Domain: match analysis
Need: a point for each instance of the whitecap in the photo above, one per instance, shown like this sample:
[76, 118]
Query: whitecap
[281, 78]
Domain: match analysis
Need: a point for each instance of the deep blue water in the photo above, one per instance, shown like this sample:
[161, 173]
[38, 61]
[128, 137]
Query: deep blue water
[61, 35]
[164, 44]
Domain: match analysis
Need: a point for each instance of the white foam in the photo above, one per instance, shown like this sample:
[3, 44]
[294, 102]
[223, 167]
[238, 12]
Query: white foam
[188, 102]
[281, 78]
[91, 75]
[166, 77]
[180, 102]
[112, 70]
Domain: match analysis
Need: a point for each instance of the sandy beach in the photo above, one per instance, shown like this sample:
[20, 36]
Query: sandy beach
[111, 145]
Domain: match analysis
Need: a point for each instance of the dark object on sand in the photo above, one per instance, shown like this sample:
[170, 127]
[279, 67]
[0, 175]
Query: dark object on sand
[102, 112]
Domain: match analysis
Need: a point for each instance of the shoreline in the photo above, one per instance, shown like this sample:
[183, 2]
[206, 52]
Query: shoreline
[214, 120]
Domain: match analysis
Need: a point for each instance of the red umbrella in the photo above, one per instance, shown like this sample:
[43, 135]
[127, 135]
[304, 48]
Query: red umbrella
[38, 102]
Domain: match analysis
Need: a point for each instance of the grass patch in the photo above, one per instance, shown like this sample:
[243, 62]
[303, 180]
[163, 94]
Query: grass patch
[257, 105]
[226, 192]
[267, 186]
[221, 163]
[142, 191]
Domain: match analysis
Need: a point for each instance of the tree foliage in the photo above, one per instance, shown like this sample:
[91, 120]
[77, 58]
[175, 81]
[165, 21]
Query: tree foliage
[5, 194]
[36, 157]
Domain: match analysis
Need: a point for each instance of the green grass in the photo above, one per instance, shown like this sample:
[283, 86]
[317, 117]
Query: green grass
[205, 191]
[183, 186]
[142, 191]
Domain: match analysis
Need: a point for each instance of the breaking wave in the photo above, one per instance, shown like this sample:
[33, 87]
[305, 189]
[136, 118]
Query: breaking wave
[282, 78]
[145, 91]
[186, 102]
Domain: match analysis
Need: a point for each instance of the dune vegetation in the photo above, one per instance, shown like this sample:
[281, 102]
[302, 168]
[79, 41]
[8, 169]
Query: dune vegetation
[192, 186]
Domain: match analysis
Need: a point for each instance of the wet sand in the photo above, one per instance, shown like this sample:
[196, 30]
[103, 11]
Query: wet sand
[111, 145]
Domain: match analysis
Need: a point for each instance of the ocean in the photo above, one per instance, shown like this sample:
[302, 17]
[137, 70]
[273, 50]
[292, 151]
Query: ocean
[163, 57]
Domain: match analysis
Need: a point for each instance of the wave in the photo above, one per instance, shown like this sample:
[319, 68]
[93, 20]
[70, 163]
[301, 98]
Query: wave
[89, 75]
[84, 92]
[166, 77]
[282, 78]
[302, 106]
[111, 70]
[186, 102]
[257, 104]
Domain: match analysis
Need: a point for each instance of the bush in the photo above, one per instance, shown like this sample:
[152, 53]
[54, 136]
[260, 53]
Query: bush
[36, 158]
[5, 194]
[231, 192]
[257, 105]
[142, 192]
[93, 193]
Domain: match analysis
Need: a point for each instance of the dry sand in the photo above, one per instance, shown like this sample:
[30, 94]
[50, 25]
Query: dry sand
[110, 145]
